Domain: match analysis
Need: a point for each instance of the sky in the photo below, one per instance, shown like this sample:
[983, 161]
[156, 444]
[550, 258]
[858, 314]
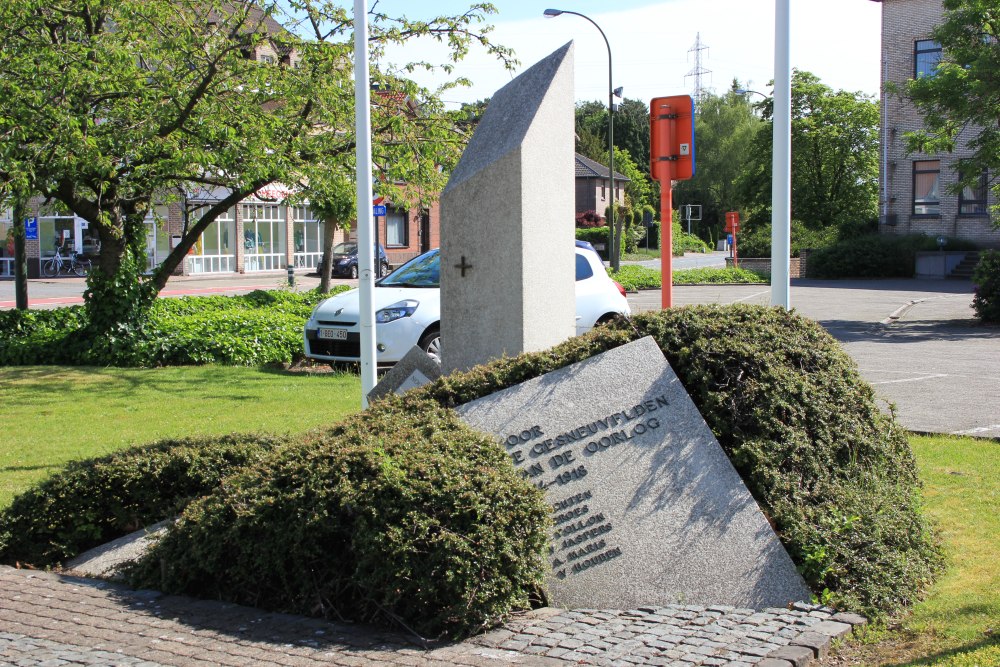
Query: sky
[652, 44]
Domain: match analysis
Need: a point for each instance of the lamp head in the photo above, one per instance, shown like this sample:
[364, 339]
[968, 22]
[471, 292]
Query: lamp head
[549, 13]
[618, 92]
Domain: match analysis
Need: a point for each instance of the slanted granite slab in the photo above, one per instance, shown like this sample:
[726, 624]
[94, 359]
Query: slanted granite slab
[648, 509]
[107, 560]
[414, 370]
[507, 223]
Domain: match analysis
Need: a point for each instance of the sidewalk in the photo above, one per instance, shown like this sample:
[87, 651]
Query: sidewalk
[49, 619]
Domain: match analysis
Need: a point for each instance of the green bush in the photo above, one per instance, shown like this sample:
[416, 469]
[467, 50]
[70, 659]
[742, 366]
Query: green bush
[399, 513]
[875, 256]
[264, 326]
[95, 501]
[986, 277]
[833, 473]
[594, 236]
[634, 277]
[756, 241]
[684, 242]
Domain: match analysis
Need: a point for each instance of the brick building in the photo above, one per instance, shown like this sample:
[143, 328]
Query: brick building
[915, 197]
[593, 186]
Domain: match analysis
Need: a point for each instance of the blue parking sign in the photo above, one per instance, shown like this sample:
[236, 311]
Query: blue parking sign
[31, 229]
[378, 210]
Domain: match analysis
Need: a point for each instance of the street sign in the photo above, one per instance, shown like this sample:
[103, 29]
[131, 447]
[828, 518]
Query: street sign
[671, 138]
[378, 210]
[31, 229]
[732, 221]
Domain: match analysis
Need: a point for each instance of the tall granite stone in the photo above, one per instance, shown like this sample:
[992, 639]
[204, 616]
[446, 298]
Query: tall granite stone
[507, 223]
[646, 507]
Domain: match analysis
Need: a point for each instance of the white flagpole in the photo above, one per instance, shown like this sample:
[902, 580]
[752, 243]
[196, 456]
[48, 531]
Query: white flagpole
[366, 223]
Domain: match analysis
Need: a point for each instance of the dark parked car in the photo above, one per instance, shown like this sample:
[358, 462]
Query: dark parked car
[345, 260]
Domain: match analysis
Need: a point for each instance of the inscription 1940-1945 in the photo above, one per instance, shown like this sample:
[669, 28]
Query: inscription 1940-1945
[581, 539]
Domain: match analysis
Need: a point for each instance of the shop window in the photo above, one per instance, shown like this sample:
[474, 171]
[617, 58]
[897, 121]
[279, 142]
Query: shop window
[926, 185]
[926, 56]
[396, 228]
[972, 199]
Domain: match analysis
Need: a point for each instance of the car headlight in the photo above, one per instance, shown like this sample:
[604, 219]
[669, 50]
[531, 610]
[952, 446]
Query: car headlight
[343, 262]
[396, 311]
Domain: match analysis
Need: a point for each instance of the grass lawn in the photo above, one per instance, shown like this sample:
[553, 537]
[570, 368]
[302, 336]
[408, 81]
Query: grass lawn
[958, 624]
[52, 414]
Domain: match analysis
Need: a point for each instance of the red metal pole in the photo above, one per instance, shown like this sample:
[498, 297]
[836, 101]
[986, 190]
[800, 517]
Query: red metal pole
[667, 242]
[735, 256]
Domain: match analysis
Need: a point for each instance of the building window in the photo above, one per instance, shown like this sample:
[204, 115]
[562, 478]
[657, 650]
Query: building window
[926, 179]
[926, 56]
[396, 227]
[972, 199]
[266, 58]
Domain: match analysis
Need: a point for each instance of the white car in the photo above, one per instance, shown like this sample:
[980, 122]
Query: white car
[408, 311]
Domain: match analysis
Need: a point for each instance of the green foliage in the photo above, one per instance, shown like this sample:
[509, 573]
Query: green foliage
[986, 277]
[634, 277]
[834, 158]
[248, 330]
[875, 256]
[101, 71]
[963, 95]
[725, 128]
[756, 242]
[707, 276]
[595, 236]
[401, 513]
[684, 242]
[834, 474]
[97, 500]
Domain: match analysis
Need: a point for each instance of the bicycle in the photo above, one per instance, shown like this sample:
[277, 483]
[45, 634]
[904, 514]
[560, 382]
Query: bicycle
[81, 266]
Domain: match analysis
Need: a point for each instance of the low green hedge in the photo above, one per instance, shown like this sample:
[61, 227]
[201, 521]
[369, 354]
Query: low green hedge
[875, 256]
[400, 513]
[264, 326]
[634, 277]
[986, 277]
[97, 500]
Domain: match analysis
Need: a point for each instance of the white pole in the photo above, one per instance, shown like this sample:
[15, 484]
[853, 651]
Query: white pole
[366, 223]
[781, 185]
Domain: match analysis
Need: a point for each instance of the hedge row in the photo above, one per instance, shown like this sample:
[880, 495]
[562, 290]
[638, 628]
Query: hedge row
[634, 277]
[252, 329]
[876, 256]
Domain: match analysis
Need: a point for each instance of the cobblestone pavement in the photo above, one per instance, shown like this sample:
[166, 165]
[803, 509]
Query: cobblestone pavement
[49, 620]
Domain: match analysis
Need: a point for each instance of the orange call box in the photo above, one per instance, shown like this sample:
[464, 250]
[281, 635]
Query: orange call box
[671, 138]
[732, 221]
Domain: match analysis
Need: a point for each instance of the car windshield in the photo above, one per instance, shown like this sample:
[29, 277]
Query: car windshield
[422, 271]
[345, 249]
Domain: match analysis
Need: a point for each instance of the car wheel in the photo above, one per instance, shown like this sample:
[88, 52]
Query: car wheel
[430, 343]
[608, 317]
[354, 271]
[383, 270]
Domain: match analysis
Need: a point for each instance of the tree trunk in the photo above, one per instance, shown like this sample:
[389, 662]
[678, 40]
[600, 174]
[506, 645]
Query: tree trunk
[20, 257]
[326, 267]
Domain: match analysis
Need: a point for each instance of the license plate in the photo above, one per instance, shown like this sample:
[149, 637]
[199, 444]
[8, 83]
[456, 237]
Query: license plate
[333, 334]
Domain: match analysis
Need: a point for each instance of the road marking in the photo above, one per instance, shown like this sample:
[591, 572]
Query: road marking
[917, 379]
[752, 296]
[980, 429]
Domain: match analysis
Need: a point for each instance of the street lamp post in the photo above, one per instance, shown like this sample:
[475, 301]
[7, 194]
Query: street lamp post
[613, 253]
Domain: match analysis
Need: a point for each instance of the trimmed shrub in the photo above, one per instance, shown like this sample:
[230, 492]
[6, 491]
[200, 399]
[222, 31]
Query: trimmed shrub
[594, 236]
[986, 278]
[832, 472]
[264, 326]
[684, 242]
[634, 277]
[95, 501]
[875, 256]
[401, 513]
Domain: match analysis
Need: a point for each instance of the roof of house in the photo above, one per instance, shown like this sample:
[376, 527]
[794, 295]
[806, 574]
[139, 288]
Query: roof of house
[587, 168]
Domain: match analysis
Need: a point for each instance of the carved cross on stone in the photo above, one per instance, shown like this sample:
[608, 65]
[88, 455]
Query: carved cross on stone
[463, 266]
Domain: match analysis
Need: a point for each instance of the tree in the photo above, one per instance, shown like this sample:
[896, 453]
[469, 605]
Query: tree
[961, 101]
[834, 158]
[136, 102]
[725, 130]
